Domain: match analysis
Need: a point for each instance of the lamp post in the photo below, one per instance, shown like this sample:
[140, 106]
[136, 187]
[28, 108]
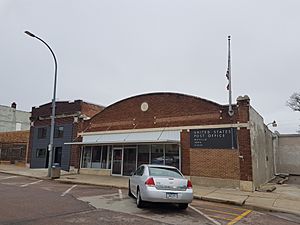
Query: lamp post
[50, 146]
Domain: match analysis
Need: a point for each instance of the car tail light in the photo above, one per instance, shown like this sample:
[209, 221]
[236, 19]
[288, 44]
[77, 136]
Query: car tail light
[189, 184]
[150, 182]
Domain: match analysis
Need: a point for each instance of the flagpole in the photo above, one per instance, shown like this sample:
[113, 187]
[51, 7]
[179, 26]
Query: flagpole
[228, 75]
[230, 110]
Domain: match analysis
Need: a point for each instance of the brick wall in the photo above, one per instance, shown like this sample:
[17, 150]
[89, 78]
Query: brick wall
[75, 149]
[217, 163]
[245, 153]
[244, 140]
[14, 145]
[90, 109]
[14, 137]
[165, 110]
[175, 110]
[62, 107]
[185, 152]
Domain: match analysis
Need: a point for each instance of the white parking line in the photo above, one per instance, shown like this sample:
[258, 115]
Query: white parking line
[25, 185]
[206, 216]
[67, 191]
[120, 194]
[5, 178]
[107, 195]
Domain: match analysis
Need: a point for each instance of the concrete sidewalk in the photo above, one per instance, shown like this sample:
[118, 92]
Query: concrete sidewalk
[286, 198]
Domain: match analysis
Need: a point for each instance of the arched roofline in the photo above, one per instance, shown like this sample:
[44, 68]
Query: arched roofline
[157, 93]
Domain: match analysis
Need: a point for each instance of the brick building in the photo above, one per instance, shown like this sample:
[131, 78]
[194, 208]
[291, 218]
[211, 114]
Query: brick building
[195, 135]
[13, 146]
[69, 118]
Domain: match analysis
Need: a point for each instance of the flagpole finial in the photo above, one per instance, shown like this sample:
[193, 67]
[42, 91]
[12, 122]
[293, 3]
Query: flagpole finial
[229, 37]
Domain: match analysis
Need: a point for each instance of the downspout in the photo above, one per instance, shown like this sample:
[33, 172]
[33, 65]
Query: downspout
[275, 145]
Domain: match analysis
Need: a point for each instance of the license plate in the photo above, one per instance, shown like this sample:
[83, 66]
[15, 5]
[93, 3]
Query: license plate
[171, 195]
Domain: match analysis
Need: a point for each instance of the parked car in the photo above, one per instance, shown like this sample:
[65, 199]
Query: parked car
[159, 183]
[162, 160]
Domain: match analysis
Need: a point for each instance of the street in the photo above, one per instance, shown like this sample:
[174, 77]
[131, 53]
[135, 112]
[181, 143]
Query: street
[33, 201]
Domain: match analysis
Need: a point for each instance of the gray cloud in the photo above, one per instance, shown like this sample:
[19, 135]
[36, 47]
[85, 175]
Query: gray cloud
[109, 50]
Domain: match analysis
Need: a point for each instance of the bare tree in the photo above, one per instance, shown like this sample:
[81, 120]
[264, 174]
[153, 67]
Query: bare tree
[294, 101]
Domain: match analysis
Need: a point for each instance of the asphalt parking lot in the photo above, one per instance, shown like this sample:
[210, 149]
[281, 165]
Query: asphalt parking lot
[33, 201]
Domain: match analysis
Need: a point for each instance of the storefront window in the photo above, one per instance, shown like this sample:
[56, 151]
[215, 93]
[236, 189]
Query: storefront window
[157, 154]
[86, 157]
[172, 155]
[96, 156]
[104, 157]
[132, 156]
[143, 154]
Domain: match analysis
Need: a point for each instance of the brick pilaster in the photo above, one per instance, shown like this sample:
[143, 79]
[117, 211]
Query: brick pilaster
[185, 152]
[244, 139]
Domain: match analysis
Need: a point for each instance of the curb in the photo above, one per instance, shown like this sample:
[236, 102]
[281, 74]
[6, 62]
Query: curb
[245, 205]
[87, 183]
[25, 175]
[271, 209]
[219, 200]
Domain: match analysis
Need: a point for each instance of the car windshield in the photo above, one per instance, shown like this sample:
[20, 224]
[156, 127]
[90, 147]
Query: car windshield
[164, 172]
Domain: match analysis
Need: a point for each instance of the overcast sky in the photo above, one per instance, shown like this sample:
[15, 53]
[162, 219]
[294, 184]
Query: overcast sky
[110, 50]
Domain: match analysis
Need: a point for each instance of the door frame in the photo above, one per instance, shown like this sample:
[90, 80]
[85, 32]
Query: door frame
[136, 157]
[112, 159]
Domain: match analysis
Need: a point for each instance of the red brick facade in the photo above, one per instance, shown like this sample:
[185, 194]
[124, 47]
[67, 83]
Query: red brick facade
[14, 146]
[217, 163]
[185, 152]
[167, 110]
[244, 140]
[14, 137]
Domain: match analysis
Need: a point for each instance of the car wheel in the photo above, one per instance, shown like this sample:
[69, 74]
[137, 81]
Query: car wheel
[129, 191]
[183, 205]
[139, 201]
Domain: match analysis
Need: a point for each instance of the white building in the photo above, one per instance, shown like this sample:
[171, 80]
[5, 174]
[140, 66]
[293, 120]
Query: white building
[12, 119]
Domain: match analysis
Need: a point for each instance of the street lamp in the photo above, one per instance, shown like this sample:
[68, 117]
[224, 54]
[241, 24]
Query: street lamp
[274, 124]
[50, 146]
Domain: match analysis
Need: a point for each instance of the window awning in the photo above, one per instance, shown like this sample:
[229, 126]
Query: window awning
[132, 137]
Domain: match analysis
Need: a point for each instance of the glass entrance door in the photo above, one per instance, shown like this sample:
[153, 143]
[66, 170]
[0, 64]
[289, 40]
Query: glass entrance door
[129, 160]
[117, 160]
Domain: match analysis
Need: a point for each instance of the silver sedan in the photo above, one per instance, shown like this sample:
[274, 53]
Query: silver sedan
[158, 183]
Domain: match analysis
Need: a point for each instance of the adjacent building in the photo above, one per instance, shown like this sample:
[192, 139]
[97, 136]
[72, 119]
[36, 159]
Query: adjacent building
[69, 118]
[13, 147]
[12, 119]
[196, 135]
[287, 154]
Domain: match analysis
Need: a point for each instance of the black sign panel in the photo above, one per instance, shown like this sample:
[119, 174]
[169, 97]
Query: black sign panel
[214, 138]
